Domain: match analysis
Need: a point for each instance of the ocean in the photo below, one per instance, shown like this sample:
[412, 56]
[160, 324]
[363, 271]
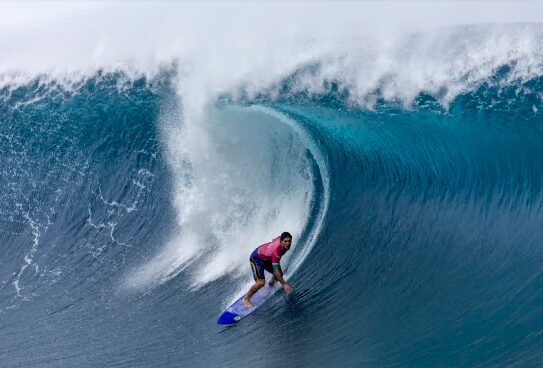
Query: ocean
[410, 176]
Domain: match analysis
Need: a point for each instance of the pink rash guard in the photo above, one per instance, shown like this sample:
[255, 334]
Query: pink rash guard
[271, 251]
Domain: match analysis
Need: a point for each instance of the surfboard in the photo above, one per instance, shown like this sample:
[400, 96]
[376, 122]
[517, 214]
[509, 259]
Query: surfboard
[235, 312]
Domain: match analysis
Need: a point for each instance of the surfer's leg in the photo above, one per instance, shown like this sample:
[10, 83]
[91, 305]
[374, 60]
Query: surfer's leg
[247, 300]
[268, 267]
[258, 275]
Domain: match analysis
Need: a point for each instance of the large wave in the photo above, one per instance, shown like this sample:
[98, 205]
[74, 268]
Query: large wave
[136, 183]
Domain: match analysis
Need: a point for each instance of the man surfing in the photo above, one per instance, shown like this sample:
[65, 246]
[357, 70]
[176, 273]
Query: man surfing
[267, 257]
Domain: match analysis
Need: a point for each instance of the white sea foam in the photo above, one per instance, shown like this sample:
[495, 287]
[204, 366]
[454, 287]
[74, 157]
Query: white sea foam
[250, 181]
[403, 47]
[29, 256]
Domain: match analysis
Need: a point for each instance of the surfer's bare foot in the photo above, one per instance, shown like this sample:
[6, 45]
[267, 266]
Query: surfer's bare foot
[247, 303]
[272, 282]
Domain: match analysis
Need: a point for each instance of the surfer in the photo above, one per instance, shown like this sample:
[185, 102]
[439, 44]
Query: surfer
[267, 257]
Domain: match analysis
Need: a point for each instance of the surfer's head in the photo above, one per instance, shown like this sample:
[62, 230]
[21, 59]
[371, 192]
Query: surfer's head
[286, 240]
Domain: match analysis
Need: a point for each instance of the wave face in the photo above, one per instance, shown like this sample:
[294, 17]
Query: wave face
[126, 219]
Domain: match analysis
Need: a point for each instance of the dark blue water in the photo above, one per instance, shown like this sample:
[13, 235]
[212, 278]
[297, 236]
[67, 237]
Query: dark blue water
[421, 237]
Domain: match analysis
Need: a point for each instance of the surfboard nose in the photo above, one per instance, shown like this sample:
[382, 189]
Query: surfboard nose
[228, 318]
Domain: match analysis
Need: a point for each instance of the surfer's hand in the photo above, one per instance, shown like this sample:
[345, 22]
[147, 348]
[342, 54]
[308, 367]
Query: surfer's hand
[287, 288]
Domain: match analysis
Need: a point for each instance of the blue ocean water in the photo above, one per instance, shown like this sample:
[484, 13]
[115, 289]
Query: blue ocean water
[418, 237]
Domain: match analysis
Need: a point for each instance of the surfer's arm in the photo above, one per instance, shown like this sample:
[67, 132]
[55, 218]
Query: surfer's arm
[278, 274]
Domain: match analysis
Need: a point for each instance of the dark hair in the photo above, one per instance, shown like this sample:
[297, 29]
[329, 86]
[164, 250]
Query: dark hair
[286, 234]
